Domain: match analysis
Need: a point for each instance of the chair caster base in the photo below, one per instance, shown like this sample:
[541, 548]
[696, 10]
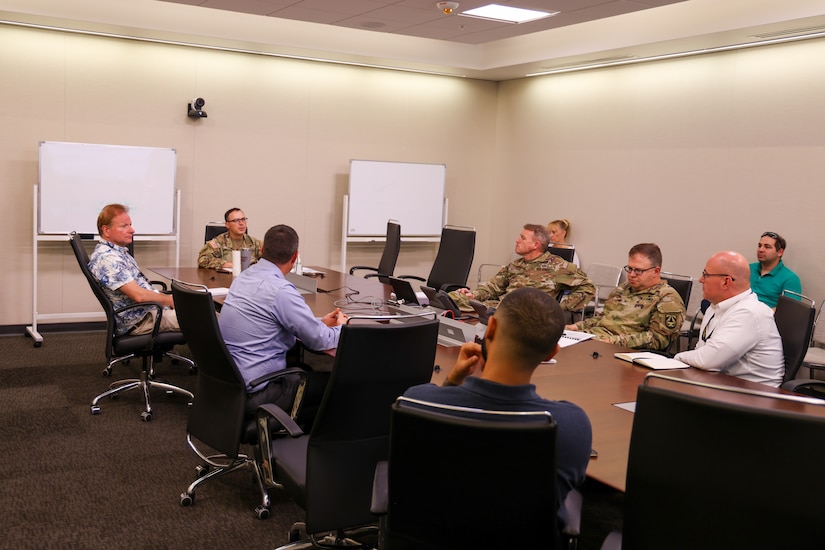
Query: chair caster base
[186, 499]
[146, 416]
[95, 409]
[262, 512]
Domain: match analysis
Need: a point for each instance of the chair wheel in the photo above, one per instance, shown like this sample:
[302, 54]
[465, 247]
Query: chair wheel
[146, 416]
[201, 471]
[95, 409]
[263, 513]
[106, 373]
[294, 535]
[187, 499]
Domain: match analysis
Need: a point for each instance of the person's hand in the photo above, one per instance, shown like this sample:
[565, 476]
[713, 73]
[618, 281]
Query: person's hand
[571, 327]
[466, 292]
[469, 361]
[227, 265]
[334, 318]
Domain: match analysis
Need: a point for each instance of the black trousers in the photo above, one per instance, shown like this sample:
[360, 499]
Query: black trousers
[281, 392]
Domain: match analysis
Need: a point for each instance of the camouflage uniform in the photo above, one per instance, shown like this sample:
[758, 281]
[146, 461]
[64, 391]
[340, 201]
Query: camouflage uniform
[219, 250]
[649, 318]
[546, 272]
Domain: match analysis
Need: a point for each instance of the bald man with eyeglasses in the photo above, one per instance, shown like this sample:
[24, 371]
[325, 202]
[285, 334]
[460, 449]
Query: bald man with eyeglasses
[738, 334]
[642, 313]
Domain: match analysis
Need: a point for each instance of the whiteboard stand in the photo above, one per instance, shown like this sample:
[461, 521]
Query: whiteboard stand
[345, 239]
[31, 330]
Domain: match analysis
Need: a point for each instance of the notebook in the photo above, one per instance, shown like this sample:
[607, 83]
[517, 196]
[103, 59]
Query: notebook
[651, 360]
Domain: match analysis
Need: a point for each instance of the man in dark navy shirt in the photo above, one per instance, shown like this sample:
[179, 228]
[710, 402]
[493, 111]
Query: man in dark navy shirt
[523, 332]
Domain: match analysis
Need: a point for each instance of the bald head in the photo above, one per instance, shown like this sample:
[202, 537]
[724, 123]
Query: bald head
[726, 275]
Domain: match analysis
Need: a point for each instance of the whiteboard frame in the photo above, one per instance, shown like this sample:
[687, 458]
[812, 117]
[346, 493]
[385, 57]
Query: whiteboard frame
[410, 192]
[76, 180]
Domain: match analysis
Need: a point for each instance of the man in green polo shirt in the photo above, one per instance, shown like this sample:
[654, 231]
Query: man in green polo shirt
[769, 276]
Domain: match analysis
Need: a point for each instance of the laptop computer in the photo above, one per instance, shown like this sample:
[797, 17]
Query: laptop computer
[454, 333]
[404, 292]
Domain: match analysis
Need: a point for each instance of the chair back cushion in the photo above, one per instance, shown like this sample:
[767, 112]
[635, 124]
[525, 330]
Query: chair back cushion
[564, 252]
[795, 322]
[710, 473]
[375, 363]
[217, 414]
[471, 481]
[392, 247]
[454, 259]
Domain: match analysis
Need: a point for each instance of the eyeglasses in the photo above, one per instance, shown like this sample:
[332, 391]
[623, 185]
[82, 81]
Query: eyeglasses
[636, 270]
[237, 220]
[770, 234]
[705, 275]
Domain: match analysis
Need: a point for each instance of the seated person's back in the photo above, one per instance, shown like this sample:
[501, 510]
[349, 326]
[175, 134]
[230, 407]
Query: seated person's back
[524, 330]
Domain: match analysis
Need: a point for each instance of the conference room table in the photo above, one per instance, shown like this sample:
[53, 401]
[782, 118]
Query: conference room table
[586, 373]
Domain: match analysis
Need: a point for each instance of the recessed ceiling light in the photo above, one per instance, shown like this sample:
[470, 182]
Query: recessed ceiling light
[507, 14]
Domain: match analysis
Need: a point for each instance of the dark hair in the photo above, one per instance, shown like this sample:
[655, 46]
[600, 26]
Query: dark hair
[280, 243]
[533, 320]
[650, 251]
[779, 242]
[108, 214]
[228, 212]
[539, 233]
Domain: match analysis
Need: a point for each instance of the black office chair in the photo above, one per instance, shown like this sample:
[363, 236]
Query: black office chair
[386, 267]
[150, 348]
[564, 252]
[682, 284]
[460, 478]
[218, 419]
[453, 260]
[212, 230]
[329, 472]
[706, 472]
[794, 317]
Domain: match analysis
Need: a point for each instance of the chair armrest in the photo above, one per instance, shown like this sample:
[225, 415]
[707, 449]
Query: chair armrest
[160, 284]
[806, 386]
[449, 287]
[354, 268]
[150, 305]
[380, 489]
[270, 411]
[416, 277]
[277, 374]
[613, 541]
[371, 275]
[573, 506]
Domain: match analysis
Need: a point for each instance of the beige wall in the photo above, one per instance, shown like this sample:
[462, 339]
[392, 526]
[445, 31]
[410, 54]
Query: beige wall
[697, 154]
[277, 143]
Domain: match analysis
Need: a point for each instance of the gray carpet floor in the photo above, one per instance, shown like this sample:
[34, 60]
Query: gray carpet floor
[72, 479]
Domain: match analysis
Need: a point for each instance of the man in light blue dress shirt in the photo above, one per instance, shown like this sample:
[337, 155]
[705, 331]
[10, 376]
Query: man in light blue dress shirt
[264, 316]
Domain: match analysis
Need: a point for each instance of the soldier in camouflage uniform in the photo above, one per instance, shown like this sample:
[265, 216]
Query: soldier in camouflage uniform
[645, 312]
[535, 269]
[217, 253]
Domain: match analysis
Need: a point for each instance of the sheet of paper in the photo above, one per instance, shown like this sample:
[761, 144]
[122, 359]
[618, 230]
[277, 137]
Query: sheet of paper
[570, 337]
[629, 406]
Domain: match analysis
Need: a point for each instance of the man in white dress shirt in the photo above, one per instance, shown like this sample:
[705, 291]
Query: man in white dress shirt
[738, 335]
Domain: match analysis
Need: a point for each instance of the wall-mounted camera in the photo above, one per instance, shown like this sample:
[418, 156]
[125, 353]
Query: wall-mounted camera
[195, 109]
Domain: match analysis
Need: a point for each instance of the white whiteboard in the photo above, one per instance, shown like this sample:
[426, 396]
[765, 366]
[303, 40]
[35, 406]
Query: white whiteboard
[411, 193]
[78, 179]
